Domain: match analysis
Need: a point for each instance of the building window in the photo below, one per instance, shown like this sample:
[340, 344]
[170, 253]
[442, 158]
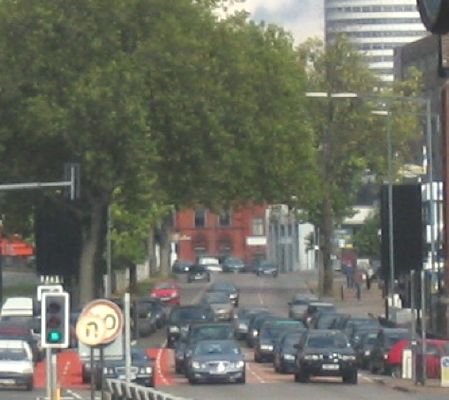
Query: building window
[224, 218]
[258, 227]
[200, 217]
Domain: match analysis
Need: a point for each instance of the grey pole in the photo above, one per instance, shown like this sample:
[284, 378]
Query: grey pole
[430, 183]
[413, 324]
[108, 255]
[423, 328]
[127, 304]
[390, 211]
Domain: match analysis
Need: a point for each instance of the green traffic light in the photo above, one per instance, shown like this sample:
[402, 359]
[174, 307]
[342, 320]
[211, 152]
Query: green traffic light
[54, 336]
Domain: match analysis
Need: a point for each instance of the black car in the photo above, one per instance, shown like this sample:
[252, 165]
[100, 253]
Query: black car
[349, 325]
[386, 338]
[200, 331]
[326, 320]
[151, 315]
[269, 333]
[266, 268]
[216, 361]
[363, 346]
[285, 351]
[198, 273]
[254, 325]
[316, 307]
[141, 371]
[181, 317]
[297, 307]
[227, 287]
[233, 264]
[241, 320]
[325, 353]
[181, 266]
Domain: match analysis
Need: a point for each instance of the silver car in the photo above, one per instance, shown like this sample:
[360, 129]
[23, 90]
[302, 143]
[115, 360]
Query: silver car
[220, 304]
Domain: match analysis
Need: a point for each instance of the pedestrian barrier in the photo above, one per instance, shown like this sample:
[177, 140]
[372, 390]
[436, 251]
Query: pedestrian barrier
[120, 390]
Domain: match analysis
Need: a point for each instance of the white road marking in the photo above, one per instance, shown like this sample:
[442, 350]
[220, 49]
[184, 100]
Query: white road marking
[253, 373]
[75, 395]
[259, 293]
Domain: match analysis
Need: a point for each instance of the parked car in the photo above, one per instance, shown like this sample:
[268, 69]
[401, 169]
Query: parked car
[16, 328]
[181, 266]
[220, 304]
[435, 349]
[233, 264]
[212, 264]
[255, 324]
[266, 268]
[228, 288]
[181, 317]
[16, 364]
[325, 353]
[200, 331]
[242, 318]
[198, 273]
[385, 340]
[167, 291]
[284, 351]
[269, 334]
[216, 361]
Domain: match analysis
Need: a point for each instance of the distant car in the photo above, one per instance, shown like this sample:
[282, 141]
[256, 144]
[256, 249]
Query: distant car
[198, 273]
[167, 291]
[325, 353]
[181, 266]
[297, 307]
[220, 304]
[269, 334]
[216, 361]
[154, 309]
[212, 264]
[363, 346]
[316, 307]
[284, 351]
[266, 268]
[141, 371]
[228, 288]
[200, 331]
[241, 320]
[181, 317]
[16, 364]
[385, 340]
[255, 324]
[19, 328]
[233, 264]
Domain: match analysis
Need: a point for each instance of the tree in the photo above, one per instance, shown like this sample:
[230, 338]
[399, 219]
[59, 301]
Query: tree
[349, 139]
[367, 238]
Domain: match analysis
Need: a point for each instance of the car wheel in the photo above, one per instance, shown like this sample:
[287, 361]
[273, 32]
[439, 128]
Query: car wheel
[29, 386]
[351, 378]
[238, 336]
[257, 357]
[192, 381]
[301, 376]
[178, 368]
[372, 368]
[243, 378]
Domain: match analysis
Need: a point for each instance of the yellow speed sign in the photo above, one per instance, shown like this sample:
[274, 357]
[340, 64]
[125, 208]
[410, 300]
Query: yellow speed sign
[90, 330]
[109, 314]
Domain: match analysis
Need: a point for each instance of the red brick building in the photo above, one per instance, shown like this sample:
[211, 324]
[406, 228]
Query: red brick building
[240, 233]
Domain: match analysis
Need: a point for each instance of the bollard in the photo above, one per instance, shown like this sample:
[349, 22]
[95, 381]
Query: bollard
[342, 292]
[358, 291]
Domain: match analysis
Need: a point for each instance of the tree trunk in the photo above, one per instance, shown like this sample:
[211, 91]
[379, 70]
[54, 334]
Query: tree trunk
[151, 252]
[90, 240]
[165, 249]
[327, 231]
[133, 279]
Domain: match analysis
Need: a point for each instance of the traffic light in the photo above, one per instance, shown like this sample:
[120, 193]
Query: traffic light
[55, 316]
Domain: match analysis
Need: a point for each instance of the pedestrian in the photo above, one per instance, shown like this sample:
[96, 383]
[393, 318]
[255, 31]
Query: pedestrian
[358, 280]
[368, 281]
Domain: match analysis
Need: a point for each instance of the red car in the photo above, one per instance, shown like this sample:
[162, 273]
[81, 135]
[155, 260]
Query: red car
[168, 292]
[435, 350]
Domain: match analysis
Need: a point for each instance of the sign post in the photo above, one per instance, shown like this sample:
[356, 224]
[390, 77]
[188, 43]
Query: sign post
[445, 371]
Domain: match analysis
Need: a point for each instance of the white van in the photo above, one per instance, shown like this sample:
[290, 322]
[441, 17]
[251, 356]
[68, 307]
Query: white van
[16, 364]
[18, 307]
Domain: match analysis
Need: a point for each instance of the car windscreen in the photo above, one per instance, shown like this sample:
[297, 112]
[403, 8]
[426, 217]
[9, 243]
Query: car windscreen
[216, 298]
[336, 340]
[188, 314]
[266, 265]
[165, 285]
[197, 269]
[291, 340]
[13, 355]
[393, 338]
[276, 329]
[370, 338]
[206, 348]
[212, 333]
[222, 286]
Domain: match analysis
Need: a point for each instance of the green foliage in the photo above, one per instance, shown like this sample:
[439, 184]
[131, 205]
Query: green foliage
[367, 238]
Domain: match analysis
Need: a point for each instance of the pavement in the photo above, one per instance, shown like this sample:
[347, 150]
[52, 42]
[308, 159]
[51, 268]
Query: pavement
[372, 303]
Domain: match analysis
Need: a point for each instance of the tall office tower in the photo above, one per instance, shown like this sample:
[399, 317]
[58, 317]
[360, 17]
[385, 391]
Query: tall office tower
[376, 27]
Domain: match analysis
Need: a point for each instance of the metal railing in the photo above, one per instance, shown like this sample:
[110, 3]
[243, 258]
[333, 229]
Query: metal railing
[120, 390]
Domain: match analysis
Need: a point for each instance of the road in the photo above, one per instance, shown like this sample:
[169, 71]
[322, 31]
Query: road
[262, 382]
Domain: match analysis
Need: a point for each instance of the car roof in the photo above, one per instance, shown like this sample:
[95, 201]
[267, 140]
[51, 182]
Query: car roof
[321, 304]
[394, 330]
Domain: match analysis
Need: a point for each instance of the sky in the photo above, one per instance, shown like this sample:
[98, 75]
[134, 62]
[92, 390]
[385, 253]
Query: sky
[303, 18]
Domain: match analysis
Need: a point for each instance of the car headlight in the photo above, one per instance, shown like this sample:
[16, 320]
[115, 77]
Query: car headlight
[254, 333]
[312, 357]
[196, 365]
[238, 364]
[153, 295]
[145, 370]
[348, 357]
[367, 352]
[174, 294]
[243, 326]
[233, 295]
[289, 357]
[27, 370]
[266, 347]
[108, 370]
[173, 329]
[385, 356]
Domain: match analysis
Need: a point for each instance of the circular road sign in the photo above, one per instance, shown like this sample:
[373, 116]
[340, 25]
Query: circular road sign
[90, 330]
[109, 313]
